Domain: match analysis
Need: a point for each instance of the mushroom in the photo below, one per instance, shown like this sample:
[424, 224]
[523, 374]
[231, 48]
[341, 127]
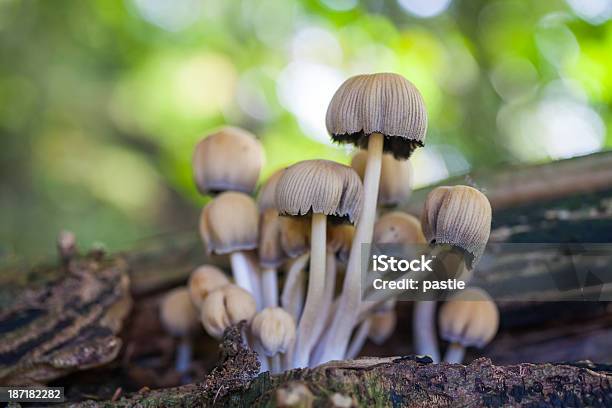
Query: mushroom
[229, 225]
[225, 307]
[271, 255]
[319, 189]
[469, 319]
[227, 160]
[179, 318]
[459, 217]
[203, 280]
[395, 177]
[380, 112]
[382, 326]
[274, 331]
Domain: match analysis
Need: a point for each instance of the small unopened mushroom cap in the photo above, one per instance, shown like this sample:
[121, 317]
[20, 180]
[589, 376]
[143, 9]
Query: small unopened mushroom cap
[378, 103]
[177, 314]
[340, 239]
[271, 254]
[203, 280]
[470, 318]
[225, 307]
[274, 329]
[398, 227]
[267, 194]
[395, 177]
[460, 216]
[382, 326]
[320, 187]
[229, 223]
[229, 159]
[295, 235]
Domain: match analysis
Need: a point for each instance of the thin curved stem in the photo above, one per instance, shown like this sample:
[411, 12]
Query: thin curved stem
[326, 303]
[305, 338]
[291, 300]
[424, 329]
[242, 271]
[350, 300]
[359, 339]
[454, 354]
[183, 358]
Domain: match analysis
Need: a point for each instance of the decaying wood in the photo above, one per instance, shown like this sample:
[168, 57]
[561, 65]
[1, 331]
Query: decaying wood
[393, 381]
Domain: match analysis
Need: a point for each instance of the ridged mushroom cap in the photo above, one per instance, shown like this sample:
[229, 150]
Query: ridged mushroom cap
[398, 227]
[295, 236]
[383, 103]
[382, 326]
[395, 177]
[271, 254]
[320, 187]
[225, 307]
[229, 223]
[274, 329]
[459, 216]
[267, 193]
[203, 280]
[177, 314]
[340, 239]
[470, 318]
[229, 159]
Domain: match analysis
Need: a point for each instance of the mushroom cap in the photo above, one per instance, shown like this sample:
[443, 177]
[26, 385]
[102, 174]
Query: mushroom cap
[229, 159]
[395, 177]
[225, 307]
[294, 236]
[320, 187]
[469, 318]
[267, 193]
[229, 223]
[203, 280]
[383, 103]
[398, 227]
[274, 328]
[382, 326]
[460, 216]
[271, 254]
[340, 239]
[177, 314]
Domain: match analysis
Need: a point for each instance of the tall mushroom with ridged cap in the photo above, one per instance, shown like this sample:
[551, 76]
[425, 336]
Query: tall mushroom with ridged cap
[459, 217]
[381, 113]
[271, 254]
[469, 319]
[229, 226]
[274, 331]
[227, 160]
[395, 177]
[179, 317]
[319, 189]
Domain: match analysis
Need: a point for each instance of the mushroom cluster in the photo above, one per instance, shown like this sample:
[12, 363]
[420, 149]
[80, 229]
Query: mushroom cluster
[295, 248]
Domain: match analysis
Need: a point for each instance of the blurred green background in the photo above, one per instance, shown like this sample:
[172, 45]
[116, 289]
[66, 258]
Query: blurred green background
[102, 101]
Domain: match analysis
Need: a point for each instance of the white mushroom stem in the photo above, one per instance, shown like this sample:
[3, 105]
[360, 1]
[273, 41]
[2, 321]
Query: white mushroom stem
[269, 283]
[424, 329]
[358, 340]
[183, 358]
[328, 298]
[264, 364]
[275, 364]
[291, 298]
[305, 338]
[350, 300]
[245, 276]
[454, 354]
